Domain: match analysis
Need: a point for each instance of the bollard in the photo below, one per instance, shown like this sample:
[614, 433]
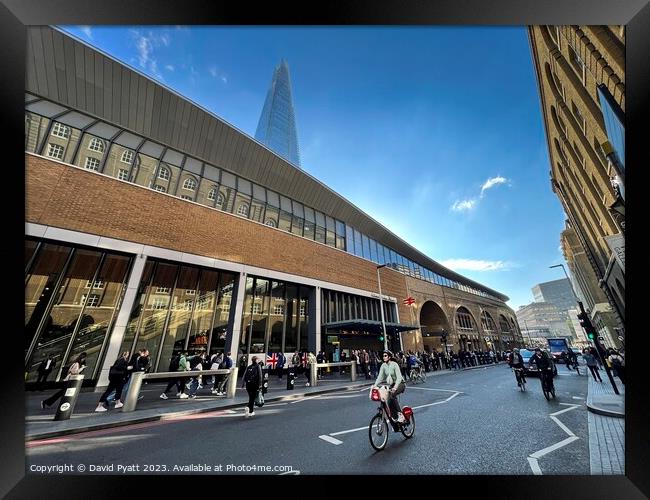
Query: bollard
[69, 399]
[313, 379]
[291, 377]
[265, 380]
[353, 371]
[134, 391]
[232, 383]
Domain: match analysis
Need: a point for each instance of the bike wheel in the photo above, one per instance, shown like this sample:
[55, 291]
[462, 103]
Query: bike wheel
[408, 428]
[378, 432]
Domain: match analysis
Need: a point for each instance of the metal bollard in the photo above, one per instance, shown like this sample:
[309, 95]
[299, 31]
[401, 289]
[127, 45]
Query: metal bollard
[353, 371]
[232, 383]
[69, 399]
[134, 391]
[313, 379]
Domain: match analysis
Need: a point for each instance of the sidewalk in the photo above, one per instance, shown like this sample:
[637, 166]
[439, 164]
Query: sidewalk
[606, 425]
[40, 423]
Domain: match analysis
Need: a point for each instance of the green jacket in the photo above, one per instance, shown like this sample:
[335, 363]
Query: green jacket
[390, 369]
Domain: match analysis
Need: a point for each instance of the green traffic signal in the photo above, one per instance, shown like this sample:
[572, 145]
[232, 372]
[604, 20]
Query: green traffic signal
[381, 337]
[590, 335]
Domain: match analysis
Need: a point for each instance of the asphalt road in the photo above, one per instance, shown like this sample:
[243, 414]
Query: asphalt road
[471, 422]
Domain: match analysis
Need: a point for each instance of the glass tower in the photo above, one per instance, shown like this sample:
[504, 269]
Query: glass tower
[277, 126]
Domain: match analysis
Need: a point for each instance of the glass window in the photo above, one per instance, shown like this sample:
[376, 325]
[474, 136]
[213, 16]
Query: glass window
[358, 246]
[60, 130]
[180, 314]
[271, 216]
[92, 163]
[35, 130]
[189, 184]
[127, 156]
[55, 151]
[144, 171]
[373, 251]
[96, 144]
[212, 194]
[284, 222]
[309, 230]
[123, 175]
[320, 234]
[66, 316]
[163, 173]
[297, 224]
[292, 318]
[161, 189]
[100, 312]
[222, 316]
[243, 210]
[349, 240]
[366, 246]
[260, 317]
[257, 211]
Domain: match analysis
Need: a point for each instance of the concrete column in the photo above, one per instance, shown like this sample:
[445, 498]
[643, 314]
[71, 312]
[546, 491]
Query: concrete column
[314, 331]
[236, 313]
[119, 329]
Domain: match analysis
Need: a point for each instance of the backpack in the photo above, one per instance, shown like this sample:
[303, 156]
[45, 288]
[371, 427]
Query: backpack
[173, 364]
[252, 374]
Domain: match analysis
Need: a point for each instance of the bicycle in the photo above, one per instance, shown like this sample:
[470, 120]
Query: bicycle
[378, 428]
[416, 374]
[548, 388]
[521, 379]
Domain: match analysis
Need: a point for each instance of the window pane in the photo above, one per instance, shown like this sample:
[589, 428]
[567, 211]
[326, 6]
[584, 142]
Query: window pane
[260, 315]
[224, 300]
[292, 311]
[278, 307]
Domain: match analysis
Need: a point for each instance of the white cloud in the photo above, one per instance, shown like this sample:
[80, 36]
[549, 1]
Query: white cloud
[169, 67]
[213, 71]
[87, 31]
[476, 265]
[224, 79]
[492, 182]
[462, 206]
[145, 45]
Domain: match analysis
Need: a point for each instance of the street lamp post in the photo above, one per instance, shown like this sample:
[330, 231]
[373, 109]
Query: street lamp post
[599, 348]
[381, 309]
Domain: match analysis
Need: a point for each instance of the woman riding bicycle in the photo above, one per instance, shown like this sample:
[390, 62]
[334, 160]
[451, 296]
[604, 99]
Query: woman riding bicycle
[517, 363]
[391, 374]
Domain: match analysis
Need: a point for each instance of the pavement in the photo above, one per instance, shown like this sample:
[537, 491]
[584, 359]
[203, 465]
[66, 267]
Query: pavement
[606, 409]
[606, 425]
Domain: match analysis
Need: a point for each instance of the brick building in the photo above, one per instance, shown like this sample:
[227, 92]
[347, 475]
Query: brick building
[151, 222]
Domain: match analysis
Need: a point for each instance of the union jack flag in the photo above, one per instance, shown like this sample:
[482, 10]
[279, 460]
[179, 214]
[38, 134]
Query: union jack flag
[272, 359]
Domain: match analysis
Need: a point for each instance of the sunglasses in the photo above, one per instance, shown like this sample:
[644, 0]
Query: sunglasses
[385, 356]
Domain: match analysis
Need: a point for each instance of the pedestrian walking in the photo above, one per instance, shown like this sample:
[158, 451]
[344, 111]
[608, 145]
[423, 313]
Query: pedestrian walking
[117, 376]
[221, 380]
[76, 368]
[44, 369]
[196, 365]
[279, 367]
[253, 384]
[173, 367]
[592, 364]
[618, 365]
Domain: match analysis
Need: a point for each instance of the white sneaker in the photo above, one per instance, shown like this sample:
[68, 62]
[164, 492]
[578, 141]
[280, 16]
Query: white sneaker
[246, 412]
[119, 404]
[251, 414]
[163, 396]
[101, 408]
[213, 391]
[182, 395]
[307, 384]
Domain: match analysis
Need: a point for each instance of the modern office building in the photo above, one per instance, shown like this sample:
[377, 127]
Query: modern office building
[556, 292]
[149, 221]
[277, 126]
[581, 76]
[547, 318]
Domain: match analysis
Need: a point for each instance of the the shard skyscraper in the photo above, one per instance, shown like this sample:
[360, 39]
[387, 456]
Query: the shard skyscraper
[277, 126]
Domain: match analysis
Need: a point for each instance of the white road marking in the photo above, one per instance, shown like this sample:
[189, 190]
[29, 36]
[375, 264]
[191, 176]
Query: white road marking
[438, 402]
[573, 407]
[429, 389]
[533, 458]
[556, 446]
[576, 397]
[330, 439]
[534, 466]
[345, 432]
[562, 426]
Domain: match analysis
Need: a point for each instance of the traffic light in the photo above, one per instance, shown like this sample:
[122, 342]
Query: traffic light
[381, 338]
[585, 323]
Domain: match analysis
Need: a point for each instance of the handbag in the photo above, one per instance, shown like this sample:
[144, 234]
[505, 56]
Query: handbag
[259, 399]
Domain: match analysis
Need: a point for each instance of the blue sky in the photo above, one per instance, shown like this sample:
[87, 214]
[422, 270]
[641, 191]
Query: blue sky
[436, 132]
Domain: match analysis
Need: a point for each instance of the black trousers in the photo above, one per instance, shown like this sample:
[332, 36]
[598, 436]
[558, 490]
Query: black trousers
[52, 399]
[393, 402]
[114, 384]
[594, 372]
[251, 389]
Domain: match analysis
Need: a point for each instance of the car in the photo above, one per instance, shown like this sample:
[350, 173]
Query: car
[531, 368]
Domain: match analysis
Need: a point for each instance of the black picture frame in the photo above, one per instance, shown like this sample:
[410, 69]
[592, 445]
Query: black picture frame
[635, 14]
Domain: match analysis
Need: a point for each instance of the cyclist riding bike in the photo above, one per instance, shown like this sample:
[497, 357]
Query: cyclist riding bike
[391, 374]
[516, 362]
[545, 368]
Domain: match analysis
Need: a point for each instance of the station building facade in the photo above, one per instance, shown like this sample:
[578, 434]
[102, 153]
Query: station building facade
[150, 222]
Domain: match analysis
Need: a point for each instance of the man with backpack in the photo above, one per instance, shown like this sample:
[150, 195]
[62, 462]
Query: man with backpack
[253, 384]
[174, 364]
[226, 364]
